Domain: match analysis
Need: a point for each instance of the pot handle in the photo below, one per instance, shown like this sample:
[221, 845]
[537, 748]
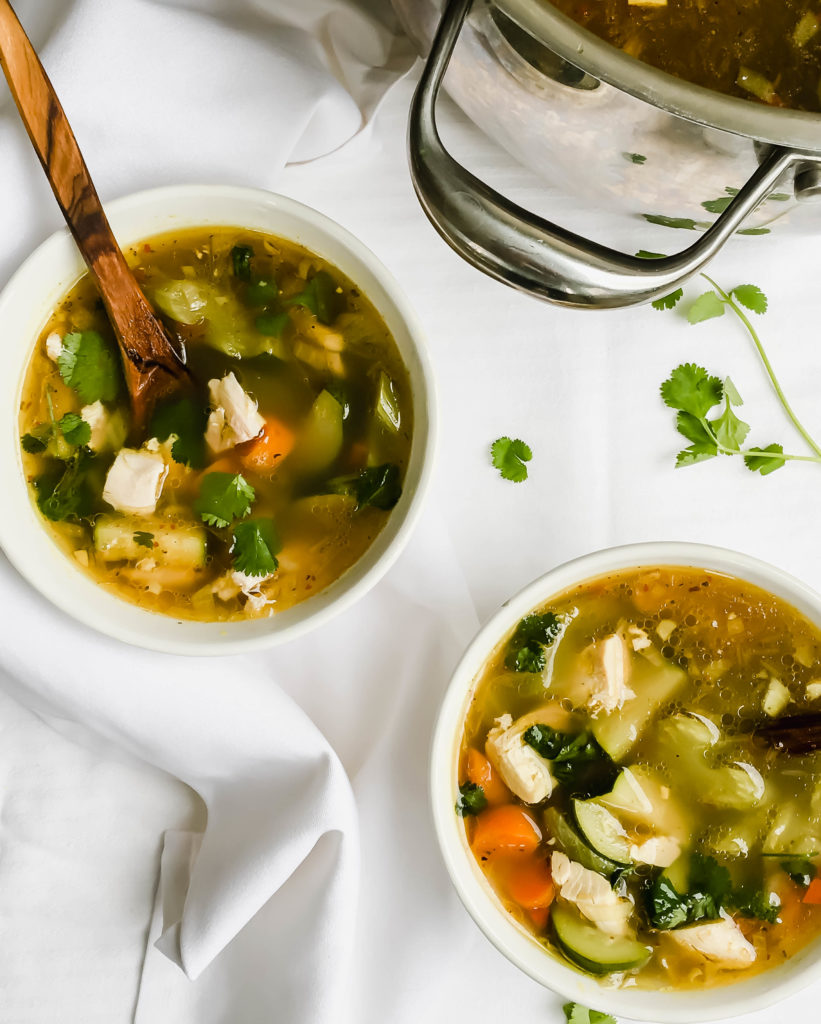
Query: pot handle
[529, 253]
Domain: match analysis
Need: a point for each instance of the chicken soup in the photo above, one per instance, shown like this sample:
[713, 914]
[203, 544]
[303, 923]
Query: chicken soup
[618, 789]
[261, 484]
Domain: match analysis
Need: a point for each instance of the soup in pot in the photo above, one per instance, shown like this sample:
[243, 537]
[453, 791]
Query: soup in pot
[765, 51]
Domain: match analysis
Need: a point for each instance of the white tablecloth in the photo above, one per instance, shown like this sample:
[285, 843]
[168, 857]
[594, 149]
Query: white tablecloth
[89, 821]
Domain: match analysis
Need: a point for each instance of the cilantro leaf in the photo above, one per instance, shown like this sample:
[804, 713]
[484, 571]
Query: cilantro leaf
[528, 657]
[686, 223]
[184, 420]
[74, 429]
[758, 462]
[256, 543]
[717, 205]
[749, 901]
[668, 301]
[37, 441]
[693, 429]
[545, 740]
[575, 1013]
[751, 296]
[63, 492]
[526, 648]
[706, 307]
[378, 486]
[322, 296]
[730, 431]
[144, 539]
[695, 453]
[91, 365]
[223, 497]
[635, 158]
[578, 761]
[800, 870]
[471, 800]
[509, 457]
[707, 875]
[241, 256]
[690, 388]
[666, 906]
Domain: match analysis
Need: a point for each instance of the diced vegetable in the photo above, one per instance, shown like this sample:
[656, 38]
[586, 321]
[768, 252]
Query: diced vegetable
[776, 698]
[529, 883]
[559, 827]
[187, 302]
[481, 772]
[507, 828]
[387, 404]
[602, 831]
[321, 436]
[654, 684]
[123, 538]
[806, 28]
[791, 835]
[264, 453]
[813, 893]
[592, 949]
[757, 85]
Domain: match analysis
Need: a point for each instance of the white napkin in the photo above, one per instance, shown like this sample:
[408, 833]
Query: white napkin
[160, 92]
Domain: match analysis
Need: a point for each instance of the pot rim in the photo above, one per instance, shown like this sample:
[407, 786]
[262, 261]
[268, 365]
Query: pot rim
[799, 129]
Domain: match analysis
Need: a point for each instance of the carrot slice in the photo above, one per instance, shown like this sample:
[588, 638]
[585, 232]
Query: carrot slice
[481, 772]
[539, 916]
[530, 883]
[813, 893]
[269, 449]
[507, 828]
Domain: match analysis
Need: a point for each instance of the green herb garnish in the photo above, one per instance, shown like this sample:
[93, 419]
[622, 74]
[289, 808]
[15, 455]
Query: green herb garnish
[272, 324]
[578, 762]
[224, 497]
[261, 293]
[184, 420]
[575, 1013]
[144, 539]
[90, 364]
[322, 296]
[378, 486]
[634, 158]
[471, 800]
[241, 256]
[800, 870]
[526, 649]
[509, 457]
[255, 547]
[63, 492]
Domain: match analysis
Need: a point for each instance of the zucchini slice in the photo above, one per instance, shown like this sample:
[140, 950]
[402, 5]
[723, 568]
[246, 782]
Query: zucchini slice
[593, 950]
[559, 827]
[602, 831]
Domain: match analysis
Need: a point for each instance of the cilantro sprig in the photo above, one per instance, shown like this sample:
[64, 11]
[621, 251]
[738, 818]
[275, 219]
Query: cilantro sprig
[256, 544]
[526, 649]
[693, 392]
[90, 364]
[471, 800]
[71, 428]
[223, 498]
[184, 420]
[509, 456]
[575, 1013]
[578, 761]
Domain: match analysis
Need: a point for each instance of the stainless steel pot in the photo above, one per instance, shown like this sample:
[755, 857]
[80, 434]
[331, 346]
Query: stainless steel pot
[603, 124]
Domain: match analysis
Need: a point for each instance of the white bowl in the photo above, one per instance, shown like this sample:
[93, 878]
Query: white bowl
[25, 306]
[512, 939]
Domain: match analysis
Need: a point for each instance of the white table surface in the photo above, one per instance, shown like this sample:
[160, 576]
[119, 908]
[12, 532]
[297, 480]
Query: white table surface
[582, 389]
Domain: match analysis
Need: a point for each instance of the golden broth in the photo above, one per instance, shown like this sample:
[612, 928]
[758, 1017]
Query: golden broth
[303, 344]
[704, 660]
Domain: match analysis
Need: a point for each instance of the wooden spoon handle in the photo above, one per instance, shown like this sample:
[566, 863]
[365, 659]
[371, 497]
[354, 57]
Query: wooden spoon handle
[149, 355]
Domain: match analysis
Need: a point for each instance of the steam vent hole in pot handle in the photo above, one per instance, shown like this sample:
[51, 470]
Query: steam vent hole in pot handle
[520, 249]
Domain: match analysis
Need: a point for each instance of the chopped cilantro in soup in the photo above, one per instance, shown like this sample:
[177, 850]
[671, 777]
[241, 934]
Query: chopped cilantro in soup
[614, 791]
[265, 482]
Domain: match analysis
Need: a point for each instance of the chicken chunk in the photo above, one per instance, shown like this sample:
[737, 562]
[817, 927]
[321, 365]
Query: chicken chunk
[135, 481]
[96, 417]
[234, 416]
[609, 664]
[721, 942]
[592, 895]
[523, 771]
[54, 346]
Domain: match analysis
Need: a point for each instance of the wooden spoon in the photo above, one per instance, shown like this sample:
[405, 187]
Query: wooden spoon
[153, 366]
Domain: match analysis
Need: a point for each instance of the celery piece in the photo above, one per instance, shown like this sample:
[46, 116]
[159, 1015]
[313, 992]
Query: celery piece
[387, 404]
[806, 28]
[756, 84]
